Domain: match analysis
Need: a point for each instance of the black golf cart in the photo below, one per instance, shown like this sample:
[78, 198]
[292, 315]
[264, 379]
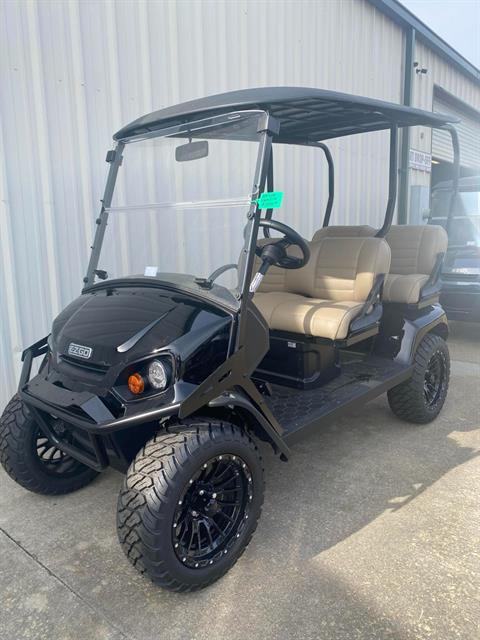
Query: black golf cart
[460, 294]
[173, 378]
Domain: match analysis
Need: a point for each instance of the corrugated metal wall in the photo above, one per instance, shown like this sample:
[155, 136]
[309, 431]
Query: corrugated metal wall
[468, 134]
[439, 73]
[74, 72]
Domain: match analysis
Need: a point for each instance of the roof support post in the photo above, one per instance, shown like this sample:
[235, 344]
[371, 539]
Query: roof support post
[392, 182]
[456, 173]
[405, 146]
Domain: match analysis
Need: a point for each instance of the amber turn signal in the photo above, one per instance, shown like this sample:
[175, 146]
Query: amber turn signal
[136, 383]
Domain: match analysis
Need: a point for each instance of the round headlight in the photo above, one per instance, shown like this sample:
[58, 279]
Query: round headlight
[157, 374]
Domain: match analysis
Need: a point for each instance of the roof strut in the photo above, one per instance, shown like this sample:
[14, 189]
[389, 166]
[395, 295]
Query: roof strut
[392, 183]
[456, 172]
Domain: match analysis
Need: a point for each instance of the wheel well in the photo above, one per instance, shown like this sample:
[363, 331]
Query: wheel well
[240, 417]
[441, 330]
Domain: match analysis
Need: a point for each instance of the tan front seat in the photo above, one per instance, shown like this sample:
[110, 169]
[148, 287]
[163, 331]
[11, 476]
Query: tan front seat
[415, 250]
[322, 298]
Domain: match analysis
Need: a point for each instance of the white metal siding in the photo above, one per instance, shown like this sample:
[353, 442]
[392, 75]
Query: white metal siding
[444, 75]
[74, 72]
[468, 134]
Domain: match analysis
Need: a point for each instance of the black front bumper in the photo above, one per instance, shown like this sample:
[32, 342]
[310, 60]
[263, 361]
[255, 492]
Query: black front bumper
[461, 299]
[85, 413]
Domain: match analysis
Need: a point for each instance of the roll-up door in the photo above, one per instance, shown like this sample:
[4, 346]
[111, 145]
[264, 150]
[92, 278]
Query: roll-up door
[468, 133]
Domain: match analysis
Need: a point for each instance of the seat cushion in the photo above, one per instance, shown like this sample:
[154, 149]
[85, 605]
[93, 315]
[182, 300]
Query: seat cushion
[403, 288]
[309, 316]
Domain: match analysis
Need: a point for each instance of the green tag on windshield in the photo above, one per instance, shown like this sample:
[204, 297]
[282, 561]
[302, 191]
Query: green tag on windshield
[270, 200]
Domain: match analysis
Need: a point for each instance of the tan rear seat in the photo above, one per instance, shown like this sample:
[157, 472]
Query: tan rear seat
[415, 250]
[344, 231]
[322, 298]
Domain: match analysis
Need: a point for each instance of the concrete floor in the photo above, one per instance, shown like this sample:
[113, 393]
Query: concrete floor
[372, 530]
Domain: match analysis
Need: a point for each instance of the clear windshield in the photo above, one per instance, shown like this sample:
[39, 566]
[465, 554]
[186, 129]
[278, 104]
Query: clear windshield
[465, 226]
[172, 214]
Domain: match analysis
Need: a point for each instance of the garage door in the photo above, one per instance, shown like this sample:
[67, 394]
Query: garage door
[468, 133]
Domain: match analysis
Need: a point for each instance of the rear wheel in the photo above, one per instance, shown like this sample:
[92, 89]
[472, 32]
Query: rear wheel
[190, 504]
[421, 398]
[32, 460]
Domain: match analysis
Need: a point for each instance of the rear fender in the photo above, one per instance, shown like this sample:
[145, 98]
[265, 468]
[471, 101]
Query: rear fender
[416, 326]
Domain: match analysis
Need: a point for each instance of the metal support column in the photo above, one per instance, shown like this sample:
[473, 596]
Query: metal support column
[405, 147]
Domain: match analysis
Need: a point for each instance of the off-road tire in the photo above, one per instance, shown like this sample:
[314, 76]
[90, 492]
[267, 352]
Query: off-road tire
[407, 400]
[18, 455]
[156, 479]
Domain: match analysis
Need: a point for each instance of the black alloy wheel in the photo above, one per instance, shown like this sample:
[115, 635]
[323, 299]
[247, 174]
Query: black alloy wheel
[421, 398]
[212, 511]
[190, 503]
[435, 378]
[32, 460]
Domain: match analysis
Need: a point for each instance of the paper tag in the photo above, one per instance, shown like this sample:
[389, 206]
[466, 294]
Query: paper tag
[257, 279]
[151, 272]
[270, 200]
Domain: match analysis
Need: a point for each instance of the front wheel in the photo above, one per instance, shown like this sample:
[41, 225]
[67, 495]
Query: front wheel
[32, 460]
[421, 398]
[190, 504]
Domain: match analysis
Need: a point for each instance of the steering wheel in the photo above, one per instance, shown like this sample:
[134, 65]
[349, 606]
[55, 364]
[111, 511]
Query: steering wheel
[275, 252]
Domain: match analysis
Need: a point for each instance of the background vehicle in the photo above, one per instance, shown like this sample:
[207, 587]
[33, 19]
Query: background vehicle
[172, 377]
[461, 270]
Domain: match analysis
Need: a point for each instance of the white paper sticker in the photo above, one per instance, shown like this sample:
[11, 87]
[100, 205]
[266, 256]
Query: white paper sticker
[151, 272]
[257, 279]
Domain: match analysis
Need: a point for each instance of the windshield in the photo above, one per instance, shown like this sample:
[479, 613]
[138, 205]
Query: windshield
[181, 200]
[465, 224]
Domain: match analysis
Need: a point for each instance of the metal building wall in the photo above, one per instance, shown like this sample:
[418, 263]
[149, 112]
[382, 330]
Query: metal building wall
[74, 72]
[442, 74]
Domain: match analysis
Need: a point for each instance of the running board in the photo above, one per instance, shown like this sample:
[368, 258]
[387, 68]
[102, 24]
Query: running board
[300, 412]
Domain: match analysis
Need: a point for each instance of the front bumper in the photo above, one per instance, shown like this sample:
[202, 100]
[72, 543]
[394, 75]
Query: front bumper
[461, 299]
[85, 415]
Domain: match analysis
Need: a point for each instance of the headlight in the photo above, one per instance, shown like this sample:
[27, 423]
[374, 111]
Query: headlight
[157, 375]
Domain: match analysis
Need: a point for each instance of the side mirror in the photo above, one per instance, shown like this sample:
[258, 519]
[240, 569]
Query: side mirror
[191, 151]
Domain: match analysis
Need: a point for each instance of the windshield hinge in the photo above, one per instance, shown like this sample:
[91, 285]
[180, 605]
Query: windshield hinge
[111, 155]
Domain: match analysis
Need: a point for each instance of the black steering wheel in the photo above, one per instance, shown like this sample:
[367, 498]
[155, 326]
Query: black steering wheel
[275, 252]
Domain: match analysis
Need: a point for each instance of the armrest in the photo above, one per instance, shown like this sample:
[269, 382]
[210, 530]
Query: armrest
[372, 308]
[433, 284]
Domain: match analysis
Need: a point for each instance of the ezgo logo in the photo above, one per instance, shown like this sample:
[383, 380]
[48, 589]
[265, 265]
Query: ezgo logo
[79, 350]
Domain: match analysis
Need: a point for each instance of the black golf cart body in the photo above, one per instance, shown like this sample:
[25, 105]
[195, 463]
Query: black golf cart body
[277, 384]
[460, 296]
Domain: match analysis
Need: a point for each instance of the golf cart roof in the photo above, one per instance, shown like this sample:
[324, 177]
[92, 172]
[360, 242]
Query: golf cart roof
[305, 114]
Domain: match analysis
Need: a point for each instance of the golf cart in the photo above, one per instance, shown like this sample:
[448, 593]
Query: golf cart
[173, 378]
[460, 294]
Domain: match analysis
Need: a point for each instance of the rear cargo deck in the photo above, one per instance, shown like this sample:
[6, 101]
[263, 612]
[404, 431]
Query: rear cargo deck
[299, 411]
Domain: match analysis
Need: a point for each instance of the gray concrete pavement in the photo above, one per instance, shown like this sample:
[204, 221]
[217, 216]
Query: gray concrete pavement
[372, 530]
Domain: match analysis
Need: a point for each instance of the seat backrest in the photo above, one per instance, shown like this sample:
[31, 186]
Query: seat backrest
[275, 278]
[340, 269]
[344, 231]
[415, 248]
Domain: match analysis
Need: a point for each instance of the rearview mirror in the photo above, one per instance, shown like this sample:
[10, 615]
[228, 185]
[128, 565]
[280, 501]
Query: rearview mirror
[191, 151]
